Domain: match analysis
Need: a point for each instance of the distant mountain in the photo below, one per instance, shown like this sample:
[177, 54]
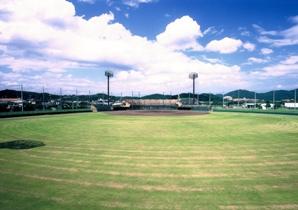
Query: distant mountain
[241, 93]
[26, 95]
[47, 96]
[279, 95]
[268, 96]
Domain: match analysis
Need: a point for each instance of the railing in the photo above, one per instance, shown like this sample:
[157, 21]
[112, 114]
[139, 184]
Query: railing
[258, 111]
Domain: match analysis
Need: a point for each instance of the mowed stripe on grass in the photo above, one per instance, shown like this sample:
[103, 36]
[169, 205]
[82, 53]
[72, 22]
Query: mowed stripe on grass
[98, 161]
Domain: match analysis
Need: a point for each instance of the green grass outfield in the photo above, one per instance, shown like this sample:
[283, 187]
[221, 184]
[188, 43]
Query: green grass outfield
[100, 161]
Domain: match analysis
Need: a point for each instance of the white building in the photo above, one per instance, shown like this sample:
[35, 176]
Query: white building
[264, 106]
[291, 105]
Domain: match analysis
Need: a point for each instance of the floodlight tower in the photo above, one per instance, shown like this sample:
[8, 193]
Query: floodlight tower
[109, 74]
[193, 76]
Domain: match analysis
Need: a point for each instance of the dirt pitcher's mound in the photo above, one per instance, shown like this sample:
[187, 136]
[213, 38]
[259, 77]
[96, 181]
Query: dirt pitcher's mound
[157, 112]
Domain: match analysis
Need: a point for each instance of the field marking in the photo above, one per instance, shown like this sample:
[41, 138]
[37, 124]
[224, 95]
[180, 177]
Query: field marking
[163, 165]
[174, 152]
[247, 157]
[35, 195]
[60, 200]
[112, 185]
[221, 157]
[252, 207]
[189, 146]
[156, 175]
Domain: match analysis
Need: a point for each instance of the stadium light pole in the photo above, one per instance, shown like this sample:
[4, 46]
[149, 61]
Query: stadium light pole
[108, 74]
[193, 76]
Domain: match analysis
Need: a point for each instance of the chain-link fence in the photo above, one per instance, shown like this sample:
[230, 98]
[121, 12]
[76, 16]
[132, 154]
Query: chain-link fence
[19, 98]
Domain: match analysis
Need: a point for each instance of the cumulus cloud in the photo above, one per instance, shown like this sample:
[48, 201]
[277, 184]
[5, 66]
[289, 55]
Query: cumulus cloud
[59, 41]
[181, 34]
[266, 51]
[226, 45]
[249, 46]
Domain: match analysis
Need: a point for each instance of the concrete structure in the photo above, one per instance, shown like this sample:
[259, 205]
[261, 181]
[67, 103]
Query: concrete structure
[152, 102]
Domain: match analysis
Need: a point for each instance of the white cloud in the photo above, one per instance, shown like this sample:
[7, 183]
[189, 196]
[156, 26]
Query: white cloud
[243, 31]
[136, 3]
[294, 19]
[212, 60]
[262, 31]
[257, 60]
[249, 46]
[58, 41]
[87, 1]
[291, 60]
[282, 38]
[181, 34]
[280, 70]
[226, 45]
[288, 66]
[266, 51]
[210, 30]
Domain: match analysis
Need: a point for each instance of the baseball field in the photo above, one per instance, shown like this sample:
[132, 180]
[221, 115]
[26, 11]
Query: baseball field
[103, 161]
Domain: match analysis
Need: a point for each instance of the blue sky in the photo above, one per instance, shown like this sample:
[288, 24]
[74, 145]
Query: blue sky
[151, 45]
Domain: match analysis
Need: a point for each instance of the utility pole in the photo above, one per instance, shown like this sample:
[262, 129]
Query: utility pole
[61, 106]
[209, 99]
[295, 98]
[77, 98]
[238, 98]
[43, 107]
[255, 100]
[89, 96]
[132, 99]
[223, 100]
[274, 99]
[22, 97]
